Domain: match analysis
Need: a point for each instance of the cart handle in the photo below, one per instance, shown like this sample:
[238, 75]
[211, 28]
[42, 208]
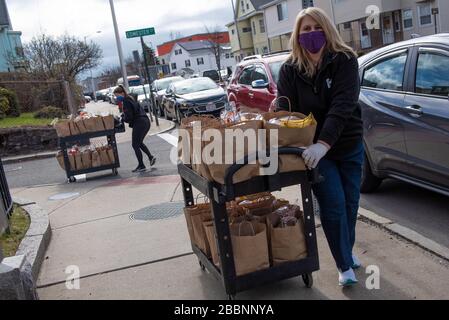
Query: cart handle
[229, 175]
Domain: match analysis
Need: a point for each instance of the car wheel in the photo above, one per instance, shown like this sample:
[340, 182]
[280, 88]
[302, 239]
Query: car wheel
[370, 182]
[178, 116]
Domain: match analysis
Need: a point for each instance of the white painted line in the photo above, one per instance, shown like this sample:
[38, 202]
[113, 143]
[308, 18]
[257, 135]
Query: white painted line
[169, 138]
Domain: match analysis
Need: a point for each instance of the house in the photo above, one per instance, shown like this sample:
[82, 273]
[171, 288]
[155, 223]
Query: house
[280, 17]
[397, 20]
[194, 57]
[11, 49]
[250, 37]
[164, 50]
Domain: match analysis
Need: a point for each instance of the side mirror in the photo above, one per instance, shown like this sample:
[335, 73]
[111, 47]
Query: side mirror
[260, 84]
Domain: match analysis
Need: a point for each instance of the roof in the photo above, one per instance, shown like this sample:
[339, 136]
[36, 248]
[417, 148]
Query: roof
[167, 47]
[4, 16]
[257, 4]
[196, 45]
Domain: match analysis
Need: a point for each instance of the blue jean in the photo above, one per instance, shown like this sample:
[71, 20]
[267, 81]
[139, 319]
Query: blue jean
[339, 196]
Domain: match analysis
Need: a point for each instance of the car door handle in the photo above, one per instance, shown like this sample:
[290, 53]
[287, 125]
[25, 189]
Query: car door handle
[415, 111]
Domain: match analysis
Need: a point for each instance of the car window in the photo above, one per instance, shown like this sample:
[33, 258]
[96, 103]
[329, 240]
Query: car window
[212, 74]
[431, 74]
[275, 68]
[245, 77]
[387, 74]
[259, 73]
[194, 85]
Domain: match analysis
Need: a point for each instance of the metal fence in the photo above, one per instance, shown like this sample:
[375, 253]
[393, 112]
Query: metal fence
[6, 204]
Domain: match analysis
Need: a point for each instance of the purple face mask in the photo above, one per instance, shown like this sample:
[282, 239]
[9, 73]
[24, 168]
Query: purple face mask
[312, 41]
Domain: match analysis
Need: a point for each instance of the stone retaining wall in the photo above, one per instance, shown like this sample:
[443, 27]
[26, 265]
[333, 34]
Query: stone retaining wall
[27, 140]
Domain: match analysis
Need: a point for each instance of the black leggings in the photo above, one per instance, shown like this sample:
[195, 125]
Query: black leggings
[141, 127]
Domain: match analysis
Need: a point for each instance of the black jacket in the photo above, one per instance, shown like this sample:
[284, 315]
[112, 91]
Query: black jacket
[332, 96]
[132, 111]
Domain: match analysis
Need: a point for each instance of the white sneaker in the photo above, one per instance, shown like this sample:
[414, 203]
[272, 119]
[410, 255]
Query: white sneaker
[347, 278]
[356, 262]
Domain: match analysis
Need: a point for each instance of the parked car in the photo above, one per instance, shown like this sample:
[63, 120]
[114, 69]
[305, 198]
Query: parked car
[405, 107]
[194, 96]
[102, 95]
[142, 95]
[87, 98]
[159, 88]
[253, 85]
[212, 74]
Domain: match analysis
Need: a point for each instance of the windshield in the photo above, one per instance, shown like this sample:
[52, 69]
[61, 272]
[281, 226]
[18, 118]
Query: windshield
[194, 85]
[165, 83]
[275, 68]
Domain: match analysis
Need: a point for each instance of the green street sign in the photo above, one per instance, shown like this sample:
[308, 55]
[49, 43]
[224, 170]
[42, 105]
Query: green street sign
[140, 33]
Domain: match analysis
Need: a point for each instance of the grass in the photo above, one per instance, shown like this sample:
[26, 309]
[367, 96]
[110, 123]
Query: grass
[18, 225]
[25, 119]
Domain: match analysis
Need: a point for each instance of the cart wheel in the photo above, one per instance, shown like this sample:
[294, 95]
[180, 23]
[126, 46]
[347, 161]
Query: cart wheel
[72, 180]
[115, 171]
[231, 297]
[308, 280]
[203, 267]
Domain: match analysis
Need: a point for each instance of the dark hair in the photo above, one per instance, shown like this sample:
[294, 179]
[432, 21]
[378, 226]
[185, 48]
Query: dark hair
[121, 90]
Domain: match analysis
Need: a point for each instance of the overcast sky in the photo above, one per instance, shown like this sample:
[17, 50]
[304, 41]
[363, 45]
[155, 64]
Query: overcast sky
[84, 17]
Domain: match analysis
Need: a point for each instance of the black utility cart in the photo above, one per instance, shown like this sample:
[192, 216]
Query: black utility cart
[67, 142]
[220, 194]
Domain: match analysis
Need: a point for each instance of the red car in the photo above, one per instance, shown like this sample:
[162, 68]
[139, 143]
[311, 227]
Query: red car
[253, 86]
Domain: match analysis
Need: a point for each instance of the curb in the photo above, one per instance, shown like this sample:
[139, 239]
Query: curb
[36, 240]
[406, 233]
[48, 155]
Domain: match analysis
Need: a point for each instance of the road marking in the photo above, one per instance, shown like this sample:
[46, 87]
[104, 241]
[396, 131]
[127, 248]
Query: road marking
[169, 138]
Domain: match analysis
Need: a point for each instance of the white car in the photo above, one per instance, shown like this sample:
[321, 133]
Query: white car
[143, 95]
[88, 99]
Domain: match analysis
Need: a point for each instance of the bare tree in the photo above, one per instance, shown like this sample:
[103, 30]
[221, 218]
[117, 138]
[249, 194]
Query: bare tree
[111, 74]
[61, 58]
[175, 35]
[214, 37]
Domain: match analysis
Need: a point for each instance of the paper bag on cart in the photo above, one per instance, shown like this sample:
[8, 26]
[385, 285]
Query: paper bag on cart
[212, 241]
[111, 155]
[108, 122]
[239, 151]
[200, 214]
[250, 247]
[96, 161]
[286, 235]
[104, 157]
[63, 128]
[60, 158]
[86, 158]
[294, 136]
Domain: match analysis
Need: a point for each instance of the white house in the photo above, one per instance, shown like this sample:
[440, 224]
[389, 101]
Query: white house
[197, 56]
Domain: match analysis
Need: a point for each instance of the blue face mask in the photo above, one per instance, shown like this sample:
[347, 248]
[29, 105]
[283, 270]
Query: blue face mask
[120, 98]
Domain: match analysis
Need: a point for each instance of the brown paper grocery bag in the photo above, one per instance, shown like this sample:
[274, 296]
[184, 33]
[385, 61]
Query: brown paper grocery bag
[96, 161]
[73, 128]
[218, 171]
[90, 124]
[108, 122]
[250, 247]
[212, 241]
[79, 124]
[104, 157]
[63, 128]
[72, 162]
[78, 161]
[290, 137]
[86, 158]
[287, 244]
[188, 215]
[99, 125]
[111, 154]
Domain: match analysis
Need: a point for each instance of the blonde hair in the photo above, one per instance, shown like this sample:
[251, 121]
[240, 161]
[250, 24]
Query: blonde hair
[335, 43]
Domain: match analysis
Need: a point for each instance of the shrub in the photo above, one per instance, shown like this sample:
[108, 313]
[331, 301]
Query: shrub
[13, 109]
[50, 112]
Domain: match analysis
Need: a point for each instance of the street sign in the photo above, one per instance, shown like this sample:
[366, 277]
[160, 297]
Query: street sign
[140, 33]
[435, 11]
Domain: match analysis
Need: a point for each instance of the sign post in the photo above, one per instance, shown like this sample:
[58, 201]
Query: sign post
[140, 34]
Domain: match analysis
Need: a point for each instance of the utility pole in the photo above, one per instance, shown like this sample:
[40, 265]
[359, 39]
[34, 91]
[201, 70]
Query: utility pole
[236, 26]
[119, 46]
[145, 59]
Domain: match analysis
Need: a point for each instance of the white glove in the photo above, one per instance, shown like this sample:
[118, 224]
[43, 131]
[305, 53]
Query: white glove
[313, 154]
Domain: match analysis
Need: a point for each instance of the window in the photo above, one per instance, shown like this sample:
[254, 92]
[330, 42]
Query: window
[262, 26]
[163, 61]
[233, 31]
[254, 28]
[365, 31]
[177, 52]
[431, 74]
[265, 50]
[407, 18]
[282, 11]
[227, 55]
[173, 66]
[397, 22]
[199, 61]
[188, 64]
[387, 74]
[245, 77]
[247, 6]
[232, 55]
[246, 29]
[307, 3]
[425, 14]
[259, 73]
[243, 5]
[347, 25]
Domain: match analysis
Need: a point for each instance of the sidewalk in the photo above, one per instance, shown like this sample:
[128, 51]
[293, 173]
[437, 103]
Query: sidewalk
[124, 256]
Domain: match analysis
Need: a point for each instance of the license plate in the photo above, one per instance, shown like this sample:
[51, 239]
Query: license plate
[210, 107]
